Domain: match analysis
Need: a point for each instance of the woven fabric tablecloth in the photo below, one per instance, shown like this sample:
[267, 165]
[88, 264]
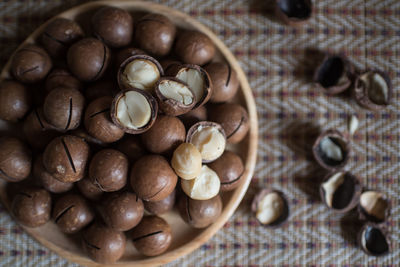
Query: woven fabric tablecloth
[289, 109]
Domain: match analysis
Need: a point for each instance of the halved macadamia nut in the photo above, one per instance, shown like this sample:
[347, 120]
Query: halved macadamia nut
[373, 89]
[270, 207]
[340, 191]
[134, 110]
[140, 71]
[374, 206]
[331, 150]
[374, 240]
[174, 96]
[196, 78]
[334, 74]
[209, 138]
[186, 161]
[205, 186]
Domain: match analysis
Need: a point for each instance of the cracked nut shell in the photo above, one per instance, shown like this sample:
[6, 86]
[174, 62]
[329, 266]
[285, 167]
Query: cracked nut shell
[125, 53]
[224, 80]
[15, 101]
[62, 78]
[374, 206]
[293, 12]
[15, 159]
[89, 190]
[162, 206]
[152, 236]
[271, 208]
[374, 240]
[193, 47]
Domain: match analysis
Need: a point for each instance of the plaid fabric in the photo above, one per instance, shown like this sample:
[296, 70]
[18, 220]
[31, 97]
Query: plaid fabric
[289, 109]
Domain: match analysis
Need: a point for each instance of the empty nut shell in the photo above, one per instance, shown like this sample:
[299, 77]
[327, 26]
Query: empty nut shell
[108, 170]
[340, 191]
[174, 96]
[152, 178]
[140, 71]
[140, 115]
[98, 121]
[271, 208]
[125, 53]
[186, 161]
[225, 81]
[194, 47]
[205, 186]
[155, 34]
[15, 159]
[31, 64]
[103, 244]
[72, 213]
[374, 207]
[15, 101]
[32, 206]
[65, 158]
[63, 108]
[88, 59]
[200, 213]
[332, 150]
[373, 89]
[293, 12]
[122, 210]
[166, 134]
[229, 168]
[162, 206]
[61, 78]
[209, 138]
[233, 118]
[374, 240]
[335, 74]
[89, 189]
[152, 236]
[113, 25]
[59, 34]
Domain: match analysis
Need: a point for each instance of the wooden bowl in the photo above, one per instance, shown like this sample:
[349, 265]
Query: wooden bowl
[185, 238]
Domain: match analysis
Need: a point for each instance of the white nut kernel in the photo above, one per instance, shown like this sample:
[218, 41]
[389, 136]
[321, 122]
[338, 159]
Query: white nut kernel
[331, 185]
[378, 90]
[210, 142]
[374, 204]
[186, 161]
[193, 78]
[204, 186]
[270, 208]
[176, 91]
[141, 73]
[133, 110]
[353, 124]
[330, 149]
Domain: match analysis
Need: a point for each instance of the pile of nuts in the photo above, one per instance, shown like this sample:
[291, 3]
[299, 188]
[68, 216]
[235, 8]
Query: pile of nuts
[115, 132]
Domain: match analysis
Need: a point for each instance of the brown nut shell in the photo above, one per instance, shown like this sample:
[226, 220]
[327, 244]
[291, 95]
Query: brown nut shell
[103, 244]
[155, 34]
[132, 147]
[174, 96]
[98, 121]
[225, 81]
[152, 236]
[152, 178]
[72, 213]
[166, 134]
[374, 207]
[63, 108]
[108, 170]
[293, 12]
[59, 34]
[15, 101]
[31, 206]
[88, 59]
[66, 157]
[138, 121]
[15, 159]
[125, 53]
[162, 206]
[229, 168]
[233, 118]
[122, 210]
[82, 133]
[282, 208]
[335, 74]
[193, 47]
[31, 64]
[374, 240]
[365, 94]
[101, 88]
[62, 78]
[336, 140]
[89, 189]
[194, 116]
[199, 213]
[340, 191]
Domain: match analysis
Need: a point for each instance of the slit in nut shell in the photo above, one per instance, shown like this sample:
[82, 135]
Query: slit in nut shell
[270, 207]
[374, 206]
[134, 111]
[186, 161]
[209, 138]
[140, 72]
[205, 186]
[374, 240]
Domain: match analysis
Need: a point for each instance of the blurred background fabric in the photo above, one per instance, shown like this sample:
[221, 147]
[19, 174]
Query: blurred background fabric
[290, 111]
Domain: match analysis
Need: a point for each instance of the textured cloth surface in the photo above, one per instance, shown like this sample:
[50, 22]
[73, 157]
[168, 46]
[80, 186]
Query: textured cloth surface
[290, 108]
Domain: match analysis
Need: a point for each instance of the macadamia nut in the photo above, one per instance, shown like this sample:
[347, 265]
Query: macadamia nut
[176, 91]
[141, 73]
[204, 186]
[134, 110]
[210, 142]
[330, 149]
[331, 185]
[374, 204]
[186, 161]
[270, 208]
[194, 78]
[378, 89]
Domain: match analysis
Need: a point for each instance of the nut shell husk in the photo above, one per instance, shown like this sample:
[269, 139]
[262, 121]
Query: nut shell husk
[356, 192]
[15, 101]
[285, 214]
[361, 92]
[15, 159]
[125, 53]
[363, 216]
[194, 47]
[346, 149]
[293, 21]
[384, 232]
